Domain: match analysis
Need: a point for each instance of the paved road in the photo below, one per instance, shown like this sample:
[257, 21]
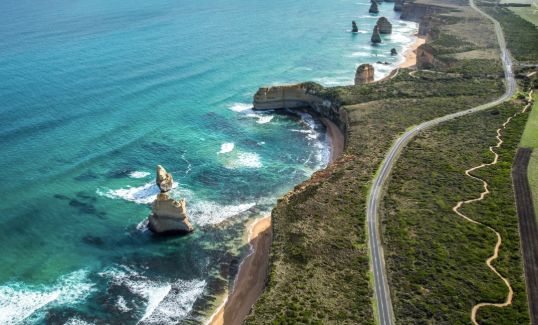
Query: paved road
[382, 293]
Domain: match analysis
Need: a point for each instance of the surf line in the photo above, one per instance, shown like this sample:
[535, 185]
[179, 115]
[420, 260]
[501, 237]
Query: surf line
[486, 191]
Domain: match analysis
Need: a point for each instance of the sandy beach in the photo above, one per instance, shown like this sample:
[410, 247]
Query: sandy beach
[411, 53]
[250, 280]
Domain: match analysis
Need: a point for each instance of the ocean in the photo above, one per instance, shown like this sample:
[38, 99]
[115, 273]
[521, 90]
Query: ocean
[94, 94]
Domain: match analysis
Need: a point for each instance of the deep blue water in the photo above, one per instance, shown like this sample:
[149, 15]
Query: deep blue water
[94, 94]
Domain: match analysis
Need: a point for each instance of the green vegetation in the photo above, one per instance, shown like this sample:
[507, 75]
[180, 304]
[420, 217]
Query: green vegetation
[530, 136]
[530, 14]
[436, 259]
[319, 271]
[520, 34]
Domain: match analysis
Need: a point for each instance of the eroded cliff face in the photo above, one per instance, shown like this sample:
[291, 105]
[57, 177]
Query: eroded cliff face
[364, 74]
[301, 96]
[168, 216]
[417, 11]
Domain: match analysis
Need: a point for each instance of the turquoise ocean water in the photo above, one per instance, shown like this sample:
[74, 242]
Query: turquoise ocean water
[95, 93]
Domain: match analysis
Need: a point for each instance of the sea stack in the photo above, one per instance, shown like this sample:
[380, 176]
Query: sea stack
[364, 74]
[376, 38]
[354, 28]
[398, 5]
[373, 8]
[168, 216]
[393, 51]
[384, 25]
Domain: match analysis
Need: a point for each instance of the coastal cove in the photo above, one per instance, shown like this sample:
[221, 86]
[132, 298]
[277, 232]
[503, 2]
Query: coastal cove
[159, 83]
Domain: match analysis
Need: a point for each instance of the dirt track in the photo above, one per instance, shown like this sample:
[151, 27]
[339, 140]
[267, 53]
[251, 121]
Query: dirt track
[528, 228]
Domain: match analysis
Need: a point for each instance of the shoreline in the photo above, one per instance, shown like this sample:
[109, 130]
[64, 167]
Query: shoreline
[250, 280]
[410, 54]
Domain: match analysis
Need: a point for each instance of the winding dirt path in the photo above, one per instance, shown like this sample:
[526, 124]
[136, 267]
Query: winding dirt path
[486, 191]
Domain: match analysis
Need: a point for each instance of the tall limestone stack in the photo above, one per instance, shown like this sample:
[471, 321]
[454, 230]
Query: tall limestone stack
[364, 74]
[168, 216]
[354, 28]
[373, 8]
[376, 38]
[384, 25]
[398, 5]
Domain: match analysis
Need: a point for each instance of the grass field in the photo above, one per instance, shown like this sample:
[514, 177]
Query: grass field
[319, 271]
[529, 14]
[436, 259]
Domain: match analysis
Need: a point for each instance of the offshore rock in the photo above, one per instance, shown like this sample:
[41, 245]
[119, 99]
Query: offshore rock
[354, 28]
[393, 51]
[376, 38]
[164, 179]
[384, 25]
[398, 5]
[169, 216]
[364, 74]
[373, 8]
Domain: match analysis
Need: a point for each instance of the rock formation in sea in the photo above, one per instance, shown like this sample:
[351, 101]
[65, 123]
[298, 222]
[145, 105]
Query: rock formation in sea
[364, 74]
[168, 216]
[393, 51]
[384, 25]
[354, 28]
[398, 5]
[376, 38]
[164, 179]
[373, 8]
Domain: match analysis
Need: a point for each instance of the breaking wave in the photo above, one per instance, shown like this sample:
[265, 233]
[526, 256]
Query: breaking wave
[19, 301]
[227, 147]
[137, 174]
[166, 302]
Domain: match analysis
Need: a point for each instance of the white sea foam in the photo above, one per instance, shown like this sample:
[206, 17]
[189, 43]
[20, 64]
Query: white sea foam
[167, 302]
[155, 295]
[77, 321]
[211, 213]
[122, 304]
[264, 119]
[19, 301]
[144, 194]
[137, 174]
[239, 107]
[244, 160]
[227, 147]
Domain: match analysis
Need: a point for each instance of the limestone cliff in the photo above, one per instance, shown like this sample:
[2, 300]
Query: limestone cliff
[168, 216]
[354, 28]
[417, 11]
[376, 38]
[426, 58]
[164, 180]
[398, 5]
[364, 74]
[304, 96]
[384, 26]
[373, 8]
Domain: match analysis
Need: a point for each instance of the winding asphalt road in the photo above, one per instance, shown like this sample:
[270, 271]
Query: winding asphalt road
[381, 288]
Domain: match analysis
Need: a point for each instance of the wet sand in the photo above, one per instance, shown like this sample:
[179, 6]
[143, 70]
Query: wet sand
[251, 277]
